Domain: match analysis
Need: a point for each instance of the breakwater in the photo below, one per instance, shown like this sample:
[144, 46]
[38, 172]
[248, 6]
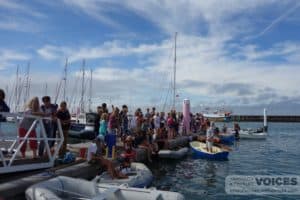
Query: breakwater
[270, 118]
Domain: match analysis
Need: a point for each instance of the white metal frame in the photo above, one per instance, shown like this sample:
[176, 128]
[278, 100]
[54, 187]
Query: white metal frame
[9, 167]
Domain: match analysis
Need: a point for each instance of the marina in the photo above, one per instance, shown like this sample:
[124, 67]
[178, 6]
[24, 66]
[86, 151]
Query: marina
[149, 100]
[169, 174]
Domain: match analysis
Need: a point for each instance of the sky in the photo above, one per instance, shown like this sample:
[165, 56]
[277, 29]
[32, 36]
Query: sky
[238, 54]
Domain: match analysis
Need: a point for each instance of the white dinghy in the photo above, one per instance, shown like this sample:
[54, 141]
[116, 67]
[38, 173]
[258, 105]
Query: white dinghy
[173, 154]
[71, 188]
[252, 134]
[139, 176]
[255, 134]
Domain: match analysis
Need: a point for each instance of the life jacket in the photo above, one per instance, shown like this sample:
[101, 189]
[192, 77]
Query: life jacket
[128, 155]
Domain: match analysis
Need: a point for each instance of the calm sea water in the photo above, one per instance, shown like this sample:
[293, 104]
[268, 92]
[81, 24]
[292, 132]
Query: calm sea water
[279, 154]
[202, 179]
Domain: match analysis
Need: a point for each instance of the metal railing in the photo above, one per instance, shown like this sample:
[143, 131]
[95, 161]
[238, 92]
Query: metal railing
[8, 163]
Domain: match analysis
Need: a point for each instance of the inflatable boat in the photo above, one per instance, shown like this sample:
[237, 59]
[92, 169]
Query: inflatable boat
[63, 187]
[173, 154]
[139, 175]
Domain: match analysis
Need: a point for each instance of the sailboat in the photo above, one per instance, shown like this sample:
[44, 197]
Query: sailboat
[256, 134]
[22, 82]
[84, 125]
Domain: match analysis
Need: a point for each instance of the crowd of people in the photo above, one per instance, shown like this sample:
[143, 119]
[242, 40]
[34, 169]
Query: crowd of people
[50, 112]
[150, 130]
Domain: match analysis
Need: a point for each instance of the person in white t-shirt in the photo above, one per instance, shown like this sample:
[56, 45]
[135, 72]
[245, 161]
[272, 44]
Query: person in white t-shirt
[92, 150]
[209, 136]
[109, 165]
[156, 121]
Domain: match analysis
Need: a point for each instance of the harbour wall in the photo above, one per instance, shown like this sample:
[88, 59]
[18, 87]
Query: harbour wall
[270, 118]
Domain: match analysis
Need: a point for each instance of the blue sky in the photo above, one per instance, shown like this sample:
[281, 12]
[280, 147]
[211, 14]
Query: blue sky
[238, 53]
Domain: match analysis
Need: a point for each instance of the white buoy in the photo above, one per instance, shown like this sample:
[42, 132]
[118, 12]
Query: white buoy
[265, 121]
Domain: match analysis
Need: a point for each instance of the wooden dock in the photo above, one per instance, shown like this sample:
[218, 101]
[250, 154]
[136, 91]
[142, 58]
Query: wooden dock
[13, 185]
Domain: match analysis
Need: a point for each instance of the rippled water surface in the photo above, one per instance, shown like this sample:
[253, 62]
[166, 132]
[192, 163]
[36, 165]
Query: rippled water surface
[279, 154]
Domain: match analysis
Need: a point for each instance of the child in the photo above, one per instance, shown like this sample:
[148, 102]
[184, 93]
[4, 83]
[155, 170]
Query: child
[102, 131]
[129, 154]
[103, 126]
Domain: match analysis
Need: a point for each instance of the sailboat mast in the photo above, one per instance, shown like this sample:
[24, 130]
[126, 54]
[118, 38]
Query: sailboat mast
[82, 87]
[174, 81]
[46, 89]
[27, 87]
[90, 91]
[65, 80]
[16, 89]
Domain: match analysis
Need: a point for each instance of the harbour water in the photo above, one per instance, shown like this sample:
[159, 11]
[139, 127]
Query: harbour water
[279, 154]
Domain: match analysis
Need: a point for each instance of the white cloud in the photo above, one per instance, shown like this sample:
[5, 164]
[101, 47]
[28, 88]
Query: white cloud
[278, 20]
[7, 57]
[95, 9]
[20, 17]
[217, 66]
[50, 52]
[20, 8]
[106, 50]
[181, 16]
[19, 25]
[198, 58]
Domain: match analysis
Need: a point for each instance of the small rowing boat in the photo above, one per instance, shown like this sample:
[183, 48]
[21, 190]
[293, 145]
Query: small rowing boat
[200, 150]
[227, 138]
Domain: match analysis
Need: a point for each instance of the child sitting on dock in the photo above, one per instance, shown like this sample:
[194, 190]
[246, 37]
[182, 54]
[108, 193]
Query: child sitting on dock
[110, 166]
[129, 154]
[142, 142]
